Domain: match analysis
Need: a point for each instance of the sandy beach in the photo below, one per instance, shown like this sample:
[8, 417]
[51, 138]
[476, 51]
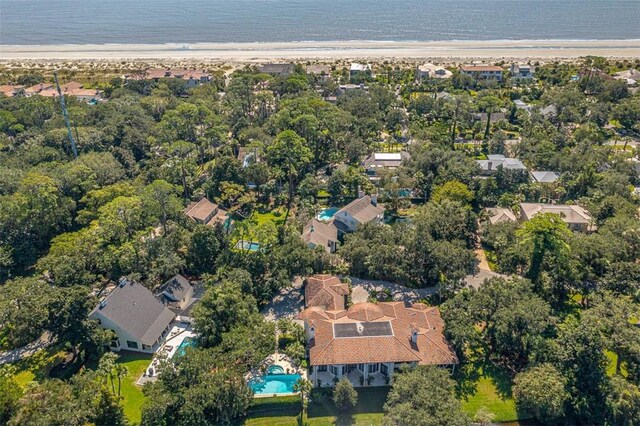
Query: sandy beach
[378, 50]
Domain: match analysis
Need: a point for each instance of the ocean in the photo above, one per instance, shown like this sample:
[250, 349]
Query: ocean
[41, 22]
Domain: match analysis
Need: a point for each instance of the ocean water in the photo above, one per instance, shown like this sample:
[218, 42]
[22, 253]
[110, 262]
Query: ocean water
[28, 22]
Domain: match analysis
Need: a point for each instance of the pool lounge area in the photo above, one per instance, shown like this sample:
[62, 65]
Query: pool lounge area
[180, 338]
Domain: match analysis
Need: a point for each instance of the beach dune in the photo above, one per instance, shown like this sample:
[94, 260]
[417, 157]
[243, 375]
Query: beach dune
[250, 52]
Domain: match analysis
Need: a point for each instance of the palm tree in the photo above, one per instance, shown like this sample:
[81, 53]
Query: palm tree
[303, 386]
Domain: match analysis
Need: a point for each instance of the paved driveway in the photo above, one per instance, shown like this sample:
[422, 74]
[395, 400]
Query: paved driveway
[361, 289]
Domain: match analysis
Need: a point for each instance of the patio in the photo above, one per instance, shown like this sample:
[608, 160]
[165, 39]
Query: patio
[177, 335]
[355, 376]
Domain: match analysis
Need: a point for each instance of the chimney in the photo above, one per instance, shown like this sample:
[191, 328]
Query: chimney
[360, 193]
[414, 334]
[374, 199]
[312, 330]
[490, 165]
[312, 229]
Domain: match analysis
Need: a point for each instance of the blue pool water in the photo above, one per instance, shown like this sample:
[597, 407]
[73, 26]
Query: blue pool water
[188, 342]
[248, 245]
[270, 384]
[275, 369]
[327, 214]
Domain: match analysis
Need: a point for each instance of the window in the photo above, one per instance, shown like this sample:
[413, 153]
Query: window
[361, 367]
[384, 369]
[322, 368]
[132, 345]
[373, 368]
[145, 347]
[115, 343]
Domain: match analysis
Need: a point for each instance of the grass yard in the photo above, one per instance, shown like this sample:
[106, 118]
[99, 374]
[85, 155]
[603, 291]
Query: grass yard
[276, 216]
[487, 395]
[484, 386]
[37, 366]
[322, 412]
[131, 393]
[132, 396]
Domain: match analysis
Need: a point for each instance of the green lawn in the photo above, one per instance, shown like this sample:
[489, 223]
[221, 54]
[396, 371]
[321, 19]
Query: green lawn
[486, 387]
[487, 396]
[276, 216]
[37, 366]
[132, 396]
[321, 410]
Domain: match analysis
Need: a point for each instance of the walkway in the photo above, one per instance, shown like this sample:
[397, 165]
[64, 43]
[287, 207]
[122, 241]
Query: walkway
[25, 351]
[484, 271]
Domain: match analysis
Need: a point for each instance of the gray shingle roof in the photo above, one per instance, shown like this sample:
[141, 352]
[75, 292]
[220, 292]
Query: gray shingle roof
[362, 209]
[137, 311]
[545, 176]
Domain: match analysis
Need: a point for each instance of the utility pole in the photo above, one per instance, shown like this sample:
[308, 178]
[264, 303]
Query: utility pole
[66, 116]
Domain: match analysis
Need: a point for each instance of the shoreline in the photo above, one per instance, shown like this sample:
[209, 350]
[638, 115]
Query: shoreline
[328, 50]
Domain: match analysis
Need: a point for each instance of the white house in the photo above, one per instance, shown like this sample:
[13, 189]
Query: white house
[138, 319]
[358, 212]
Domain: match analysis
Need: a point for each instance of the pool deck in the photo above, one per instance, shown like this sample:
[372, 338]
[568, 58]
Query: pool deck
[178, 333]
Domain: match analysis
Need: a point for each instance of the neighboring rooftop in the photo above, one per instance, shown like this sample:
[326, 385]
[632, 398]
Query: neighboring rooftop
[544, 176]
[174, 290]
[493, 161]
[319, 233]
[204, 211]
[385, 160]
[500, 215]
[362, 209]
[569, 213]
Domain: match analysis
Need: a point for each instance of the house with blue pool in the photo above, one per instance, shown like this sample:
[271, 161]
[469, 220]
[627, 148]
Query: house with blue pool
[368, 342]
[143, 321]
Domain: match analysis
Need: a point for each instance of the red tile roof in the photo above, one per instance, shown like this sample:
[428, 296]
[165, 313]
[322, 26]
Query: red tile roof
[325, 291]
[430, 346]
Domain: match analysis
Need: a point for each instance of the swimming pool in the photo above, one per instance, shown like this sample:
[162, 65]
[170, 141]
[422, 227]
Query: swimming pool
[270, 384]
[188, 342]
[327, 214]
[275, 369]
[248, 245]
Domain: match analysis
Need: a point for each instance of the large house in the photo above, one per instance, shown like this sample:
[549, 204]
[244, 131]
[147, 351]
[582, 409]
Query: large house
[495, 161]
[522, 72]
[208, 213]
[430, 71]
[319, 234]
[482, 72]
[576, 218]
[11, 90]
[358, 212]
[357, 69]
[383, 161]
[138, 319]
[368, 342]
